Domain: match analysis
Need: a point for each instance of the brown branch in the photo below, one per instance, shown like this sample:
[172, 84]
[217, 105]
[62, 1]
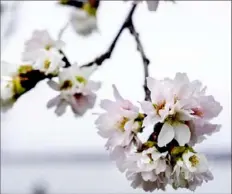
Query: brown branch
[99, 60]
[146, 61]
[127, 24]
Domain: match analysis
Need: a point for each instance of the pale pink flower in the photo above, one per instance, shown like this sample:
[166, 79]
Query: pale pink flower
[76, 90]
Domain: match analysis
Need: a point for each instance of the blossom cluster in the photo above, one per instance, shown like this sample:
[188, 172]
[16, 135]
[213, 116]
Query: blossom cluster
[43, 58]
[179, 115]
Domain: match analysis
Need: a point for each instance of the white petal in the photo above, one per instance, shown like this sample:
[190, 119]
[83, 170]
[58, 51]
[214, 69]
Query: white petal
[54, 101]
[161, 166]
[147, 107]
[60, 110]
[203, 163]
[151, 82]
[150, 120]
[152, 5]
[53, 85]
[117, 96]
[182, 134]
[149, 176]
[166, 135]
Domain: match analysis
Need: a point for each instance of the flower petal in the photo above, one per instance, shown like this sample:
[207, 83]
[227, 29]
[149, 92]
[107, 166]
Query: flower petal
[149, 176]
[53, 85]
[182, 134]
[54, 101]
[117, 96]
[61, 108]
[166, 135]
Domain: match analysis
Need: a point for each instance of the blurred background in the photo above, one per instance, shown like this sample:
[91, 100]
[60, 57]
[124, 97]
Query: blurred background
[41, 153]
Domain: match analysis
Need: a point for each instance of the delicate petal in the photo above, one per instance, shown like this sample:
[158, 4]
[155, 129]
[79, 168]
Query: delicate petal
[166, 135]
[147, 107]
[182, 134]
[152, 5]
[149, 176]
[60, 109]
[54, 101]
[55, 86]
[117, 95]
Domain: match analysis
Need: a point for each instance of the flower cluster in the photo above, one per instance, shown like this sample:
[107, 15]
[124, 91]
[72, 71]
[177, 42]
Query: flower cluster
[179, 113]
[45, 59]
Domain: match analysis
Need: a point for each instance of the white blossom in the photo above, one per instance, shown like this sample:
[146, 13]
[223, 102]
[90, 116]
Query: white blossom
[82, 22]
[190, 171]
[40, 40]
[8, 85]
[176, 103]
[118, 124]
[148, 169]
[49, 62]
[75, 90]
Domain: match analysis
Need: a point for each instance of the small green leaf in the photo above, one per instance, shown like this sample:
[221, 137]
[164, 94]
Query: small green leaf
[178, 150]
[150, 144]
[23, 69]
[89, 9]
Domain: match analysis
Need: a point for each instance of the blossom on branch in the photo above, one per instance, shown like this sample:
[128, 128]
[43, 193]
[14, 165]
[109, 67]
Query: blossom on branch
[76, 90]
[49, 62]
[40, 40]
[148, 169]
[119, 125]
[190, 171]
[83, 20]
[179, 113]
[176, 103]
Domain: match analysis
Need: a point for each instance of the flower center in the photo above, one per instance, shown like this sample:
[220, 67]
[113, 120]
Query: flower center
[197, 112]
[47, 47]
[81, 79]
[121, 123]
[159, 106]
[47, 63]
[66, 85]
[194, 160]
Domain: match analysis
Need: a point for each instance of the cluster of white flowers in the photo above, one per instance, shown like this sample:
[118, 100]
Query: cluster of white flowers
[180, 114]
[46, 60]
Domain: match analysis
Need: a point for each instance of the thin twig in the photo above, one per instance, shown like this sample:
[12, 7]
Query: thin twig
[127, 24]
[99, 60]
[146, 61]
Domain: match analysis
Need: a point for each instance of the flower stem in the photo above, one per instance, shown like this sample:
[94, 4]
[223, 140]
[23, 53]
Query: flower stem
[99, 60]
[127, 24]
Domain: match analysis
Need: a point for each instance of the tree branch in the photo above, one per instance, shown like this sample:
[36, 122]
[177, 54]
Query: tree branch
[127, 24]
[146, 61]
[99, 60]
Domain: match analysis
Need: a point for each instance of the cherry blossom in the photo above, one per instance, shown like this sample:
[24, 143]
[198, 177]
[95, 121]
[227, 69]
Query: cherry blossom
[76, 90]
[40, 40]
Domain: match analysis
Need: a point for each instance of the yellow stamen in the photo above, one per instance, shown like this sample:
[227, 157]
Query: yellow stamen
[121, 123]
[194, 160]
[81, 79]
[47, 63]
[48, 47]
